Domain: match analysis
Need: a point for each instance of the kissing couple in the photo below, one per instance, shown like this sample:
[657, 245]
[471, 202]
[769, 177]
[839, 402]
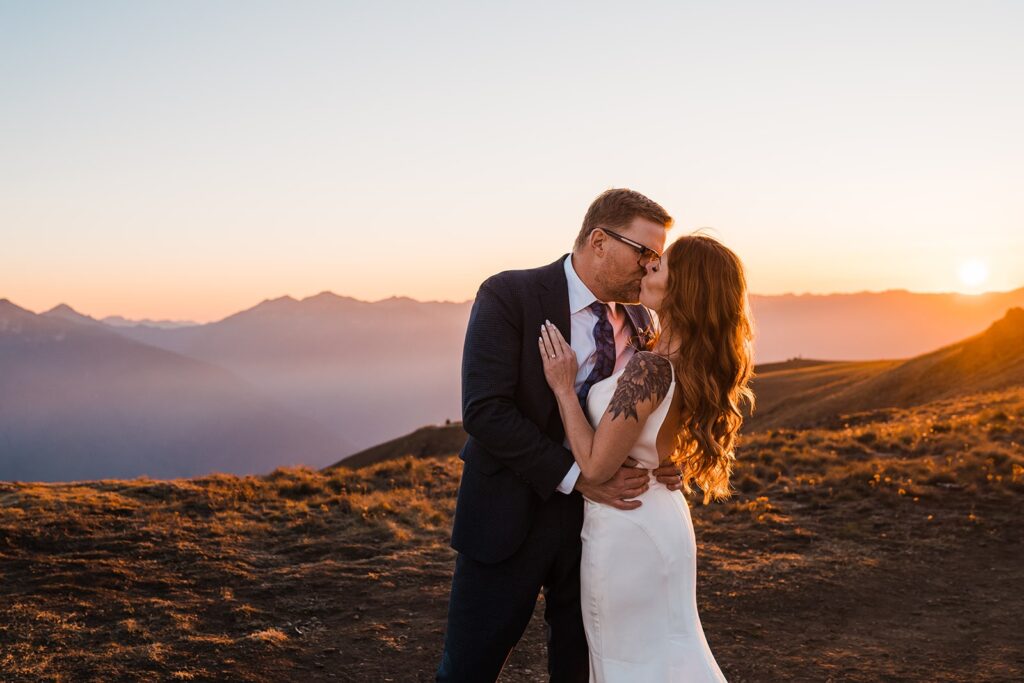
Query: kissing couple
[594, 389]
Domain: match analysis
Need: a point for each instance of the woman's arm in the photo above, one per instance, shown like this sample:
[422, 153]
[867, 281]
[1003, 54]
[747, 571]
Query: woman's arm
[643, 385]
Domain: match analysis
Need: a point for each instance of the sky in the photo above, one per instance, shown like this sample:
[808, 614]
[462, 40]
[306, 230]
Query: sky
[186, 160]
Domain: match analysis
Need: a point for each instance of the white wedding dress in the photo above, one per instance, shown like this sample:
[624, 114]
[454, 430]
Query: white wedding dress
[638, 576]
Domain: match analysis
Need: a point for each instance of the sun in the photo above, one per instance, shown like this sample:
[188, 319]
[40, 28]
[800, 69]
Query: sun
[973, 273]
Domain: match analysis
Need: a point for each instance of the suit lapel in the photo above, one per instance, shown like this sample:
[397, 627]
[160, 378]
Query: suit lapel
[554, 297]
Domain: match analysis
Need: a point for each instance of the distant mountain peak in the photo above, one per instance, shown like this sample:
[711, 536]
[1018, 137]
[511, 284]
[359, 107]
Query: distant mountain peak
[65, 312]
[63, 309]
[274, 303]
[328, 297]
[281, 305]
[9, 307]
[328, 301]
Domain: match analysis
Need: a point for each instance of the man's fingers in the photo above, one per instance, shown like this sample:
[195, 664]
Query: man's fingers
[630, 461]
[633, 493]
[630, 474]
[671, 482]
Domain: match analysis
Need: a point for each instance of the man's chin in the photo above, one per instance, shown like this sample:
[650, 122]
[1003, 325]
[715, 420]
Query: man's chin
[631, 296]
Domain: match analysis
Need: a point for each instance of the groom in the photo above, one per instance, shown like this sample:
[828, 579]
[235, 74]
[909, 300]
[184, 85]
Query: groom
[520, 504]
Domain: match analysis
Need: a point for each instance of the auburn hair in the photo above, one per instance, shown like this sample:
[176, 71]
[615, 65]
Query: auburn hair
[705, 315]
[616, 208]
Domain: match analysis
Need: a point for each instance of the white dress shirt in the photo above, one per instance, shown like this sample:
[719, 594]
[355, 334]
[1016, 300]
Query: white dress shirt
[581, 339]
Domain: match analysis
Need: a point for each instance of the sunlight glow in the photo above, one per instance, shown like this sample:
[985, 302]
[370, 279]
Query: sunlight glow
[973, 273]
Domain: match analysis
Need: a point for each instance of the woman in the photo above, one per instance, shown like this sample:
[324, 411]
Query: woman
[678, 400]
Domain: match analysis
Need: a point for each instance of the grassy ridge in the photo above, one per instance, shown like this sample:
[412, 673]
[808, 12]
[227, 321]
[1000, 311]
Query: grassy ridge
[903, 523]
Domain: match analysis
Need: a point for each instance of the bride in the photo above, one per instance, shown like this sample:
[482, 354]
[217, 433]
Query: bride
[678, 400]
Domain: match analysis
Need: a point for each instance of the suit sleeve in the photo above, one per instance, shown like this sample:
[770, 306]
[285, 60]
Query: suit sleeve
[490, 375]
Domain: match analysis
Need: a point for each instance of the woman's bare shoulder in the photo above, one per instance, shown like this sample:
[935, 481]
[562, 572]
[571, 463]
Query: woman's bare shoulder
[646, 377]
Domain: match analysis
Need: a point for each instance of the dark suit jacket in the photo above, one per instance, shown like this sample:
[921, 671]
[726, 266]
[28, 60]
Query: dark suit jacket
[514, 458]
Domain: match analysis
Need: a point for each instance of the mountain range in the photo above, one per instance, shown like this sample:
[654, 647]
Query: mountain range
[870, 325]
[360, 369]
[328, 375]
[80, 401]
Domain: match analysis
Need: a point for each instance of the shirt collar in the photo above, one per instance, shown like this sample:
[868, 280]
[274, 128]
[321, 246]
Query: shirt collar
[580, 295]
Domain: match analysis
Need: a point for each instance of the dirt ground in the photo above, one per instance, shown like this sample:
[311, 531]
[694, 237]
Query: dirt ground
[821, 594]
[872, 552]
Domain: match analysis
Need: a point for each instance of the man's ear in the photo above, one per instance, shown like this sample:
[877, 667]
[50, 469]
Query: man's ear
[597, 239]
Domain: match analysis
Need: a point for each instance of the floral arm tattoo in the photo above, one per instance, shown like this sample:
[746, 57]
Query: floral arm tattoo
[647, 376]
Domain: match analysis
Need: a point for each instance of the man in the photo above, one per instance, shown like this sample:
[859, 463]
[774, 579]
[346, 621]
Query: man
[520, 505]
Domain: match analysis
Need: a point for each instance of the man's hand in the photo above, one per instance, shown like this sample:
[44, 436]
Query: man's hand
[669, 474]
[628, 482]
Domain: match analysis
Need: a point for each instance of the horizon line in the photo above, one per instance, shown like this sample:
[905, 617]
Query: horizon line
[394, 297]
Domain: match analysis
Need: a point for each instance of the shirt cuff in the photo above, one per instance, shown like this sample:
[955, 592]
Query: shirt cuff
[569, 481]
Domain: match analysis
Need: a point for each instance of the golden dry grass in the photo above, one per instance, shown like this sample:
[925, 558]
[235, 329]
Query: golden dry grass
[887, 548]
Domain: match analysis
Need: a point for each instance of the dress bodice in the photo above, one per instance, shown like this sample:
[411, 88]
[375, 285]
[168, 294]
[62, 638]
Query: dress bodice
[638, 574]
[645, 450]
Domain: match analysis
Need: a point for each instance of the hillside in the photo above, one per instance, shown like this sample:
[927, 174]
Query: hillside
[425, 442]
[906, 530]
[806, 396]
[435, 440]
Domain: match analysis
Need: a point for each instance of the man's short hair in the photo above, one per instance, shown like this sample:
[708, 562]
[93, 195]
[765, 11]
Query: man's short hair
[616, 208]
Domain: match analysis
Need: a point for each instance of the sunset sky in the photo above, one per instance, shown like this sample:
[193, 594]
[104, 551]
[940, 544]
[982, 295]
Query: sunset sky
[186, 160]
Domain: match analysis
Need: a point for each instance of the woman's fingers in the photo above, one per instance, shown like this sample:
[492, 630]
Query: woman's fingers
[555, 337]
[545, 353]
[564, 345]
[552, 343]
[550, 347]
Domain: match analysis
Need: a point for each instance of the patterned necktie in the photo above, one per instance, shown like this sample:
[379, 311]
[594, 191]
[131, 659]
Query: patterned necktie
[605, 355]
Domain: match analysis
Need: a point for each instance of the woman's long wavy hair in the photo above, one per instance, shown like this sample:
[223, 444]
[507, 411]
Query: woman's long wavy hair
[705, 317]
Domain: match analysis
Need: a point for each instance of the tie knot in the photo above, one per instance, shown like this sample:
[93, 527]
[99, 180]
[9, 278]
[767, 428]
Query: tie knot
[600, 309]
